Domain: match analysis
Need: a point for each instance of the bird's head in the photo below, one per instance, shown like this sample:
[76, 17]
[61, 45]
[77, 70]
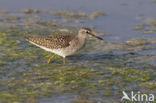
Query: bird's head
[84, 32]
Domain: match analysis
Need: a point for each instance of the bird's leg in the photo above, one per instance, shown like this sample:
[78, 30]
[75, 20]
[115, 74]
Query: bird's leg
[49, 60]
[64, 60]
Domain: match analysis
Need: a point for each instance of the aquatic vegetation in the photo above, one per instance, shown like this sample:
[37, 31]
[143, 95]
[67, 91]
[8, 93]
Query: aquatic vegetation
[137, 42]
[29, 11]
[150, 31]
[140, 27]
[81, 99]
[3, 11]
[150, 85]
[130, 74]
[75, 16]
[93, 74]
[148, 28]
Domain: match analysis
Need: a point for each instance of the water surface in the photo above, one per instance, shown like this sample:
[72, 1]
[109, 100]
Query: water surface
[96, 74]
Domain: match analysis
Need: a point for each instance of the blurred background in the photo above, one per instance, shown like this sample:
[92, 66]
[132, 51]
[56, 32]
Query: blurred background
[122, 15]
[98, 73]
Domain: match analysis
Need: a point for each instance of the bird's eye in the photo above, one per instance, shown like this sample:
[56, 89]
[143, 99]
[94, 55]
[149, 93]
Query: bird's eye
[87, 31]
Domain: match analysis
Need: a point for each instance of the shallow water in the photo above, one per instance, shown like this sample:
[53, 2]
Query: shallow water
[96, 74]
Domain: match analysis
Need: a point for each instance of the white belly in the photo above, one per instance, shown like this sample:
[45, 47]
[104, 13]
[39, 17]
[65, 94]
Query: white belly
[61, 52]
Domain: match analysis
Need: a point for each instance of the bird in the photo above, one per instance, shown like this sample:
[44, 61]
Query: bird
[63, 45]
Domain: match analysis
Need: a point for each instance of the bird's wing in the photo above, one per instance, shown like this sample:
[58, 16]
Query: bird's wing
[53, 42]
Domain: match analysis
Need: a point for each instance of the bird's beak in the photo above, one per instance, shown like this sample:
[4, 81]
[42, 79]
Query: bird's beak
[96, 35]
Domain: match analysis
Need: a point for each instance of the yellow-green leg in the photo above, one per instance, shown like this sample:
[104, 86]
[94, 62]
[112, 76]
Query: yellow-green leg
[49, 60]
[64, 60]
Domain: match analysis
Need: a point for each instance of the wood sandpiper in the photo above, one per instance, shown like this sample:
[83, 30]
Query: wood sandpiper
[63, 45]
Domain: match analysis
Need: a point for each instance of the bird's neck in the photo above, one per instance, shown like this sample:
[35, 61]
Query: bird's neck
[81, 40]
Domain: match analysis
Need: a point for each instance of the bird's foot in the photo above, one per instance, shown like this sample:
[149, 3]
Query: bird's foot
[49, 60]
[64, 61]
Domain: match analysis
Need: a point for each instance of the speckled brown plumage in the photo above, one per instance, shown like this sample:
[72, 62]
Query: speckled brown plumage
[63, 45]
[52, 42]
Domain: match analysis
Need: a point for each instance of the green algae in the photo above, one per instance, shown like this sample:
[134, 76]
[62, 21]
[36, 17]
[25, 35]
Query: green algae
[75, 16]
[30, 11]
[26, 77]
[8, 97]
[130, 75]
[64, 80]
[83, 100]
[150, 85]
[49, 23]
[148, 28]
[140, 42]
[107, 94]
[2, 63]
